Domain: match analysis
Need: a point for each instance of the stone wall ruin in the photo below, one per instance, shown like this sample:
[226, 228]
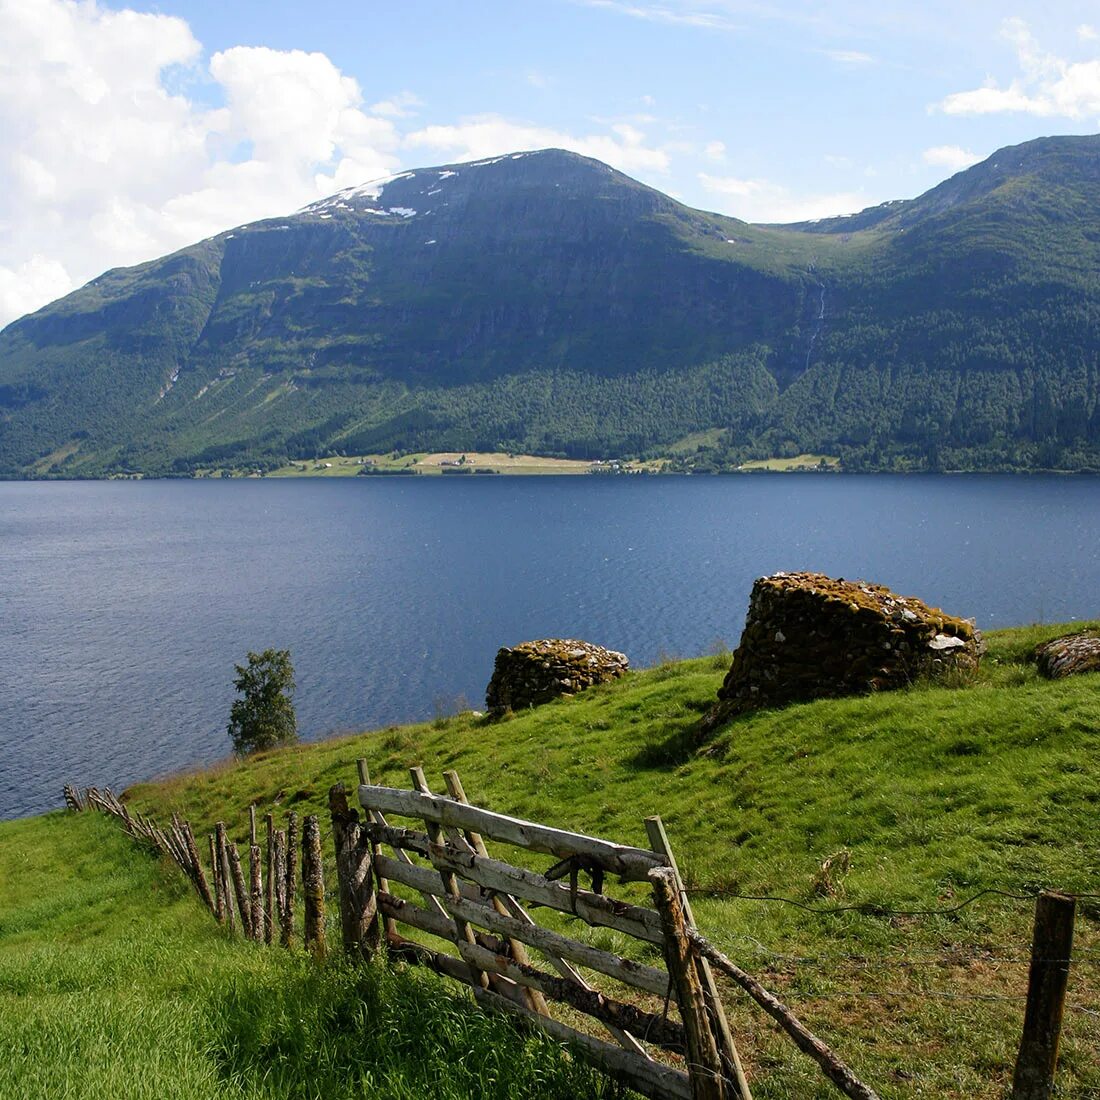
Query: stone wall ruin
[809, 636]
[536, 672]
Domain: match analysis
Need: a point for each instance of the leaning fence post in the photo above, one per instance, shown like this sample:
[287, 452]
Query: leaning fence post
[1051, 948]
[727, 1050]
[313, 887]
[355, 872]
[226, 872]
[216, 881]
[704, 1061]
[389, 926]
[240, 888]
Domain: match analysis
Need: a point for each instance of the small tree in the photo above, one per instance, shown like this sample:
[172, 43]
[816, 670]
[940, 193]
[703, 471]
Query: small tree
[264, 716]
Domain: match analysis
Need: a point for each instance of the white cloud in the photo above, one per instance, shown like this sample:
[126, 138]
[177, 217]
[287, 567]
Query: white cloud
[849, 57]
[33, 282]
[757, 200]
[715, 150]
[953, 157]
[1048, 86]
[1088, 33]
[402, 105]
[483, 136]
[102, 165]
[666, 13]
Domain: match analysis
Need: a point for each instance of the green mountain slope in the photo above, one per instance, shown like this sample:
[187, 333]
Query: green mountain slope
[545, 302]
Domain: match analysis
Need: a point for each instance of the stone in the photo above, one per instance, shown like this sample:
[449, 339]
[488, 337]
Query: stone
[536, 672]
[1069, 655]
[809, 636]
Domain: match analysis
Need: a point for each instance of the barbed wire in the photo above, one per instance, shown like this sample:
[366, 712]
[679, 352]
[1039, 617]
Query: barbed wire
[907, 994]
[874, 909]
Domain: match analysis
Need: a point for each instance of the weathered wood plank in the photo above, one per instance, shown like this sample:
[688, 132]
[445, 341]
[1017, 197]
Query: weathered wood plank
[632, 864]
[708, 1081]
[451, 885]
[607, 1010]
[651, 1079]
[647, 978]
[727, 1049]
[504, 878]
[641, 923]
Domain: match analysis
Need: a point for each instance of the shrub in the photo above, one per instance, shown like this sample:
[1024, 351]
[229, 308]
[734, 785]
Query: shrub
[264, 716]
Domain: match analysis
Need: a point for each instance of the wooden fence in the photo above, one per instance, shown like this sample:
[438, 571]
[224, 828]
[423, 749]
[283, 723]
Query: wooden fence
[476, 923]
[432, 894]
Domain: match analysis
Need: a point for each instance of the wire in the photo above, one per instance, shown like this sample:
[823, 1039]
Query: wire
[872, 909]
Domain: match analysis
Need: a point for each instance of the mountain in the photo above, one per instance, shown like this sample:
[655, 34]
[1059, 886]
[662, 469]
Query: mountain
[545, 302]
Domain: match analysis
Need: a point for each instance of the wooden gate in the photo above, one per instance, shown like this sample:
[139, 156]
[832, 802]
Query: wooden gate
[473, 918]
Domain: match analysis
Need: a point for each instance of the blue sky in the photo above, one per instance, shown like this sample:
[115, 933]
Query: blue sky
[130, 130]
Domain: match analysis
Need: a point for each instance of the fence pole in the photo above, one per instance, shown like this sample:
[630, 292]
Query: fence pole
[727, 1049]
[389, 926]
[704, 1063]
[240, 888]
[226, 872]
[1051, 948]
[286, 937]
[355, 873]
[269, 880]
[313, 887]
[216, 881]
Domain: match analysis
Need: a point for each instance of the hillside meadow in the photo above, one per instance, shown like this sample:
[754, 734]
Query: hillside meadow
[872, 860]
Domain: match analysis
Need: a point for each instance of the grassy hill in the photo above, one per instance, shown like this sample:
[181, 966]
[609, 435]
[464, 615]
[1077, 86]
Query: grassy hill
[903, 806]
[113, 983]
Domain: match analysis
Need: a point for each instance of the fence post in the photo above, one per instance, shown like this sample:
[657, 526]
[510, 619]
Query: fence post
[1051, 947]
[313, 887]
[216, 882]
[389, 926]
[286, 936]
[269, 880]
[355, 873]
[703, 1060]
[255, 877]
[727, 1050]
[240, 888]
[226, 872]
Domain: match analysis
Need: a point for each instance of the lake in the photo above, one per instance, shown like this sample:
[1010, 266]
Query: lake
[125, 605]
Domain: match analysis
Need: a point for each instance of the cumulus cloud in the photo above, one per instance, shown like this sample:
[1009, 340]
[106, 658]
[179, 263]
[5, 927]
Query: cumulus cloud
[953, 157]
[757, 200]
[120, 140]
[101, 164]
[1047, 85]
[474, 138]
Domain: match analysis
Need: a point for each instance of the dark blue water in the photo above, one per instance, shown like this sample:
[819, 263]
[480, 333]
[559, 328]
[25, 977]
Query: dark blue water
[124, 605]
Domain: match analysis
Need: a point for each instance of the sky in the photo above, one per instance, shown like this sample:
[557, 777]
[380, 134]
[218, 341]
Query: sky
[128, 131]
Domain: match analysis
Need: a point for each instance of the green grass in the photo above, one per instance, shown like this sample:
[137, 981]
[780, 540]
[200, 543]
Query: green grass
[934, 794]
[115, 983]
[924, 797]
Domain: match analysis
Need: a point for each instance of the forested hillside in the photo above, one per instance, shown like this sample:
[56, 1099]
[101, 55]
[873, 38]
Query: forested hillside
[543, 302]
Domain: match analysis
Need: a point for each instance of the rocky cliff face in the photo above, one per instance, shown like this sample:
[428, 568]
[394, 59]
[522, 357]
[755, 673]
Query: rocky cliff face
[809, 636]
